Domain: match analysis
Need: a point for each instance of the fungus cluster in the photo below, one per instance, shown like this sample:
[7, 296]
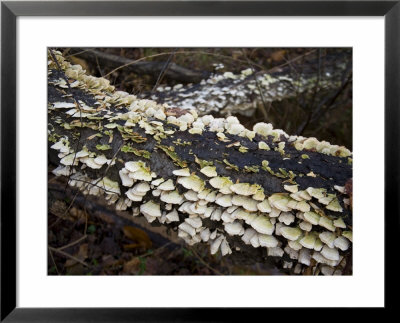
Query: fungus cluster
[302, 226]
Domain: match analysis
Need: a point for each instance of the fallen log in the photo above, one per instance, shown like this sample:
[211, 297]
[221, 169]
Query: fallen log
[249, 194]
[228, 93]
[153, 68]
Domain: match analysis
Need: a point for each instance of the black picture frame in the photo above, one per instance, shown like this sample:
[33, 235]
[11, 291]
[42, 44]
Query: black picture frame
[10, 10]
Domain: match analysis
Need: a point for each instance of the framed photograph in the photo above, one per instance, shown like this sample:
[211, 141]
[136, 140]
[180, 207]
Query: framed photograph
[194, 154]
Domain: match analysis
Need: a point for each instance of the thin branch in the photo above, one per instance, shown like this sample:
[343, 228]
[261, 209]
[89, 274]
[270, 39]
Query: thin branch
[73, 243]
[52, 259]
[78, 53]
[161, 75]
[266, 109]
[177, 52]
[316, 88]
[205, 263]
[150, 253]
[274, 69]
[60, 217]
[93, 184]
[98, 66]
[311, 107]
[67, 255]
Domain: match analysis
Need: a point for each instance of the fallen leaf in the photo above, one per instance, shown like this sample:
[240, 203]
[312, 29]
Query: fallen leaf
[76, 213]
[278, 55]
[82, 254]
[81, 62]
[137, 235]
[76, 269]
[58, 208]
[132, 266]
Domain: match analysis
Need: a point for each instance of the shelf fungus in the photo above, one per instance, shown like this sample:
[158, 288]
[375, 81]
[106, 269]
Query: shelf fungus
[244, 192]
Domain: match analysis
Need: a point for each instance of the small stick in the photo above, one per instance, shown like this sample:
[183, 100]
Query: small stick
[73, 243]
[55, 265]
[205, 264]
[67, 255]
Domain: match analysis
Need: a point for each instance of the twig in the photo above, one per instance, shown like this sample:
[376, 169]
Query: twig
[98, 66]
[271, 70]
[291, 61]
[205, 263]
[329, 102]
[73, 243]
[265, 110]
[52, 258]
[86, 217]
[348, 267]
[108, 167]
[149, 253]
[163, 70]
[316, 88]
[78, 53]
[176, 52]
[52, 180]
[90, 185]
[60, 217]
[70, 204]
[94, 184]
[67, 255]
[311, 108]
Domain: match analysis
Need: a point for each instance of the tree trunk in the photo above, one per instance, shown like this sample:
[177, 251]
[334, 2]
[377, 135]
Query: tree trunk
[249, 194]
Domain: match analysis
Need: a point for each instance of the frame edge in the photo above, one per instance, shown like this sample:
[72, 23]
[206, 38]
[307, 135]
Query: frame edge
[392, 134]
[8, 161]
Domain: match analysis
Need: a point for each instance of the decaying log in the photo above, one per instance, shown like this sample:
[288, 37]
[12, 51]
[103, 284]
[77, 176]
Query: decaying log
[229, 93]
[153, 68]
[249, 194]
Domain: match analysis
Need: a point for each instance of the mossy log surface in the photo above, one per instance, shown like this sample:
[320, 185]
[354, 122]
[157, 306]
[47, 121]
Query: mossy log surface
[99, 138]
